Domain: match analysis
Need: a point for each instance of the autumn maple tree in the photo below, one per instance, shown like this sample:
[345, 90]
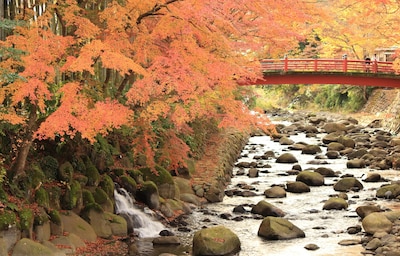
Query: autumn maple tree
[88, 67]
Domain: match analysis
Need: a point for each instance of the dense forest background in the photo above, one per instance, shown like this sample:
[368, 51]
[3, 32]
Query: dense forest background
[144, 83]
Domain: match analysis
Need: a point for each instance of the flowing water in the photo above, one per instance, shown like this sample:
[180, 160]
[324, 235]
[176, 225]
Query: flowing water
[142, 223]
[323, 228]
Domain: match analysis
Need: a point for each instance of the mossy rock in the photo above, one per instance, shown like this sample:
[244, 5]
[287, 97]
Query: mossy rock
[66, 172]
[79, 164]
[36, 175]
[92, 173]
[41, 218]
[7, 219]
[72, 197]
[42, 197]
[3, 195]
[50, 167]
[55, 217]
[89, 207]
[216, 240]
[137, 175]
[26, 219]
[107, 184]
[118, 172]
[54, 193]
[159, 176]
[87, 197]
[148, 193]
[100, 196]
[129, 184]
[82, 179]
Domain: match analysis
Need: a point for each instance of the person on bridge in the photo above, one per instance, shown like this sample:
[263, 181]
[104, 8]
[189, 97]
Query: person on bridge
[367, 64]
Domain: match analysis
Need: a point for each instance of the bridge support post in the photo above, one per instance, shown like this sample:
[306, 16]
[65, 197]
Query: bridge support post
[345, 63]
[315, 65]
[285, 64]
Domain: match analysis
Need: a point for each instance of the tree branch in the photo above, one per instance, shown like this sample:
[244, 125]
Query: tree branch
[155, 10]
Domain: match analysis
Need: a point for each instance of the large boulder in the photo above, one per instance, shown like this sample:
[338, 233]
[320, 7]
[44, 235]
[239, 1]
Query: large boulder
[376, 222]
[276, 228]
[311, 178]
[266, 209]
[74, 224]
[335, 146]
[286, 158]
[216, 240]
[29, 247]
[348, 183]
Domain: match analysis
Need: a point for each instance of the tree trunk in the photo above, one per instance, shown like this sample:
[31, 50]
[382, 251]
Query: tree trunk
[18, 168]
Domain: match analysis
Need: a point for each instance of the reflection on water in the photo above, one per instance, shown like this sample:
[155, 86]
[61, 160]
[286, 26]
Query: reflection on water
[323, 228]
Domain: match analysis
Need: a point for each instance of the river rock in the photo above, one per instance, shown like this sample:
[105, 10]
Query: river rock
[334, 127]
[326, 172]
[373, 177]
[348, 183]
[335, 203]
[166, 240]
[253, 173]
[286, 141]
[355, 163]
[373, 244]
[286, 158]
[311, 178]
[335, 146]
[216, 240]
[311, 150]
[276, 228]
[266, 209]
[388, 191]
[364, 210]
[297, 187]
[332, 154]
[275, 192]
[311, 247]
[376, 222]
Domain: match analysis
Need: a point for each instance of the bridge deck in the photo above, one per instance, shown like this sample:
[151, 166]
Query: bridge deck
[327, 71]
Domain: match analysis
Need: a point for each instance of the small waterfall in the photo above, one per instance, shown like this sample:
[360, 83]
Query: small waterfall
[143, 225]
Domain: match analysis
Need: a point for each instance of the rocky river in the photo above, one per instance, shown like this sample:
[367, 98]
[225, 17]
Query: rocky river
[324, 175]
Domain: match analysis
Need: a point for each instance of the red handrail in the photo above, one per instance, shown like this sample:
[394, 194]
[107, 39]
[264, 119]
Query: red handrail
[326, 65]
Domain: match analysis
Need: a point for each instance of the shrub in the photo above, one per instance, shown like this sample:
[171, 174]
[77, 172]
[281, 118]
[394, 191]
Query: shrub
[49, 167]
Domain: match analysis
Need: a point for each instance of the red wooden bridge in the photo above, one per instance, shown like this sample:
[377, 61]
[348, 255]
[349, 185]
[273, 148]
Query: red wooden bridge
[326, 71]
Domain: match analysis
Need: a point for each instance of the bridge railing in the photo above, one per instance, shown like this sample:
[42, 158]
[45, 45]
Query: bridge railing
[326, 65]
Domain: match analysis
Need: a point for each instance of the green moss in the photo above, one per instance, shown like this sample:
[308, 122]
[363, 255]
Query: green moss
[82, 179]
[72, 195]
[161, 176]
[55, 217]
[137, 175]
[86, 210]
[148, 187]
[92, 173]
[107, 184]
[3, 195]
[79, 165]
[66, 171]
[128, 183]
[36, 175]
[87, 197]
[41, 219]
[118, 172]
[7, 219]
[26, 219]
[100, 196]
[42, 197]
[49, 167]
[54, 197]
